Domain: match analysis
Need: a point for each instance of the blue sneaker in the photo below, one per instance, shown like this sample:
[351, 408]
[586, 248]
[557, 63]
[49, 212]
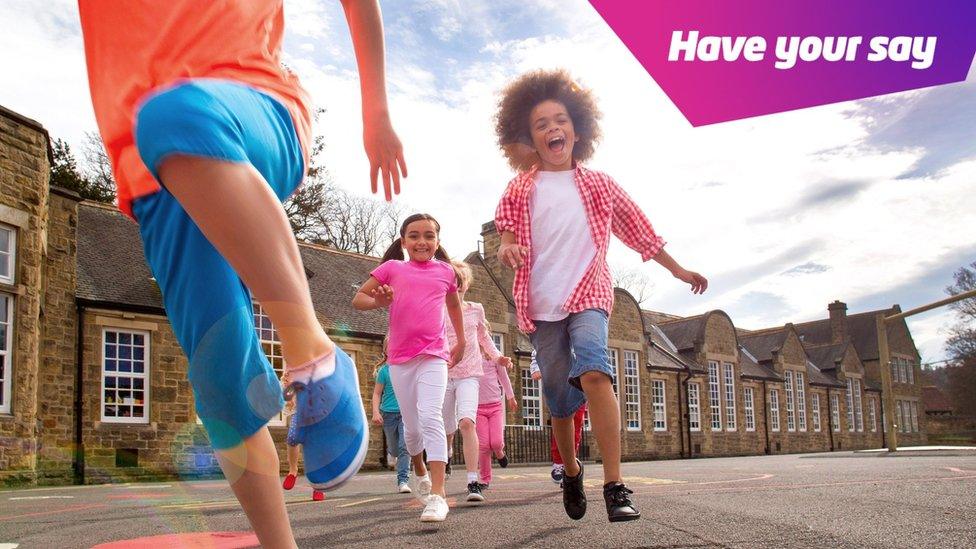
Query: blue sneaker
[330, 424]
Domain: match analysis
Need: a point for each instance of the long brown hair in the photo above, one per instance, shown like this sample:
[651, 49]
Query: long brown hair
[395, 251]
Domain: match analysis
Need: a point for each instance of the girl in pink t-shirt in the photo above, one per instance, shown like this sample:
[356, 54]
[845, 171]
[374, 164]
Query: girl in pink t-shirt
[416, 291]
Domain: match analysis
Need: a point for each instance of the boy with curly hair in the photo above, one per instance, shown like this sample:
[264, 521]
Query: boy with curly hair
[555, 220]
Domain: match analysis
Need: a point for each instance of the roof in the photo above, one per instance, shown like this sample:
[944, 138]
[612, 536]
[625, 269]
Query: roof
[752, 369]
[816, 376]
[683, 332]
[826, 357]
[935, 400]
[861, 328]
[763, 344]
[657, 317]
[112, 270]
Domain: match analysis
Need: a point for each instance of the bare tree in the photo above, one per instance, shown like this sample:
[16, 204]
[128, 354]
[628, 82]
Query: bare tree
[961, 344]
[634, 280]
[98, 166]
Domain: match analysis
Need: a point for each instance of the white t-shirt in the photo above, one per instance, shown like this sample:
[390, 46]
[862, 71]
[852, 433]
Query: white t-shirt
[562, 246]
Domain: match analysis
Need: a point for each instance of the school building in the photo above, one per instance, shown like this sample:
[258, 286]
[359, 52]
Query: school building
[93, 385]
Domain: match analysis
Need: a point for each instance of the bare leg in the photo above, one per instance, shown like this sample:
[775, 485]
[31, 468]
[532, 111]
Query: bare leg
[605, 419]
[293, 459]
[469, 437]
[239, 214]
[419, 469]
[437, 477]
[450, 445]
[252, 470]
[562, 429]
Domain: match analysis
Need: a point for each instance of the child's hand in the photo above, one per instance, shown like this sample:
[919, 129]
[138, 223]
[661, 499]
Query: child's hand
[697, 281]
[513, 255]
[512, 404]
[385, 154]
[536, 376]
[377, 419]
[383, 295]
[457, 353]
[506, 362]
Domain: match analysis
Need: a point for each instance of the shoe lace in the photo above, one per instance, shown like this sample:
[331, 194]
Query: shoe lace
[618, 495]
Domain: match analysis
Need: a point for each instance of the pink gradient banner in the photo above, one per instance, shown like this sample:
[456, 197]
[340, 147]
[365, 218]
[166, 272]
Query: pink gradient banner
[733, 60]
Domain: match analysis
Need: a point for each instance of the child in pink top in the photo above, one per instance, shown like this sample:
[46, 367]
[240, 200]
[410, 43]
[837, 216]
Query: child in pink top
[461, 400]
[416, 292]
[491, 415]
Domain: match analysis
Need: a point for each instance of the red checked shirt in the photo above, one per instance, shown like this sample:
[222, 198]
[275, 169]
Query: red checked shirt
[608, 209]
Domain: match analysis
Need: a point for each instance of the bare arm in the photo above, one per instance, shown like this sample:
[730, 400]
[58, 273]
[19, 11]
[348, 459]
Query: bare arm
[372, 295]
[382, 145]
[457, 319]
[377, 396]
[698, 283]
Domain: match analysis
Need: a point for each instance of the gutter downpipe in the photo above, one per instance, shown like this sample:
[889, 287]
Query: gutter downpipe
[766, 418]
[79, 404]
[830, 420]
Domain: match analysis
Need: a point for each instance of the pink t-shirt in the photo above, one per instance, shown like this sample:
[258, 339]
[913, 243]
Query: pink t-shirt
[477, 342]
[417, 314]
[488, 384]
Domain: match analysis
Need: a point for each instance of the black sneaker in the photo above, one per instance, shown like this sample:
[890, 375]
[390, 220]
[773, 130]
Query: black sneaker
[483, 485]
[447, 469]
[503, 461]
[574, 497]
[619, 506]
[474, 491]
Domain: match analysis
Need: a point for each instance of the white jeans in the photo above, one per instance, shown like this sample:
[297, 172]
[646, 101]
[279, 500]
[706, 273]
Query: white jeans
[460, 401]
[419, 385]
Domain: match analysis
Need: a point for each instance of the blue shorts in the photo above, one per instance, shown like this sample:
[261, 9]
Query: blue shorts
[236, 392]
[565, 350]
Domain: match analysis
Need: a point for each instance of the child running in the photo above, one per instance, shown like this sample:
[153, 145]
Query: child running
[558, 467]
[461, 399]
[292, 450]
[491, 415]
[416, 291]
[386, 412]
[555, 219]
[207, 134]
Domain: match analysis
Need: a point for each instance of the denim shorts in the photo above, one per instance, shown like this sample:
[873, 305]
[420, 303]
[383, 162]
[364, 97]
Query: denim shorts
[235, 390]
[565, 350]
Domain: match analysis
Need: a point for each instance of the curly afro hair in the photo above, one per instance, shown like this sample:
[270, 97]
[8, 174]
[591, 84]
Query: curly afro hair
[521, 96]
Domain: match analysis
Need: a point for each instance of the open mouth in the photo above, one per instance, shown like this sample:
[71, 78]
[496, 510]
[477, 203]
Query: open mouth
[556, 144]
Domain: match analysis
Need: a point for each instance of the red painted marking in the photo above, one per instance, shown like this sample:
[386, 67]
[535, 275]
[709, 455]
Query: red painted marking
[194, 540]
[210, 485]
[56, 511]
[140, 496]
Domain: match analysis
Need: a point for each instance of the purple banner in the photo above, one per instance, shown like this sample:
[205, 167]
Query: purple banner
[722, 60]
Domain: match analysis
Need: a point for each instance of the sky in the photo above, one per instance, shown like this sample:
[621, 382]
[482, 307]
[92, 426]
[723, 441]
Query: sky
[869, 202]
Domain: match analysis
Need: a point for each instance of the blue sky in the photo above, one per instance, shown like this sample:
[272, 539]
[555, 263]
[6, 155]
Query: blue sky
[869, 202]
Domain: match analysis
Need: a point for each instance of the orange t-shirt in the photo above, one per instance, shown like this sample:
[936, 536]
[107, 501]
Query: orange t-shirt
[133, 47]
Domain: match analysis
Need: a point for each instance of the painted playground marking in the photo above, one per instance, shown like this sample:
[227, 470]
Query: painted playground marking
[354, 503]
[210, 540]
[142, 486]
[9, 545]
[23, 498]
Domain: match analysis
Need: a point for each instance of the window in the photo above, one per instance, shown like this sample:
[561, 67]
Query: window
[858, 411]
[900, 416]
[815, 409]
[8, 253]
[6, 343]
[714, 405]
[914, 405]
[750, 409]
[613, 367]
[694, 407]
[531, 400]
[895, 368]
[872, 415]
[729, 397]
[835, 412]
[271, 345]
[499, 341]
[125, 376]
[850, 405]
[660, 411]
[910, 365]
[801, 402]
[774, 409]
[790, 416]
[632, 391]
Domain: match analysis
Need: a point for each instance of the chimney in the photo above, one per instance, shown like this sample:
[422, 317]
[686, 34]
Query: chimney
[838, 322]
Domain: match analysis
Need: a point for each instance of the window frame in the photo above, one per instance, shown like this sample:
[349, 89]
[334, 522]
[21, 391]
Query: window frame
[614, 355]
[7, 356]
[774, 424]
[632, 381]
[801, 402]
[728, 372]
[714, 397]
[11, 255]
[499, 342]
[873, 411]
[858, 406]
[145, 376]
[835, 411]
[850, 405]
[913, 404]
[749, 402]
[694, 407]
[790, 410]
[257, 314]
[529, 384]
[815, 412]
[659, 404]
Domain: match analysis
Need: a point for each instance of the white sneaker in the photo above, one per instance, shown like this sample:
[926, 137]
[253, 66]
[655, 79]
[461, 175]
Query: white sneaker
[422, 486]
[404, 488]
[436, 509]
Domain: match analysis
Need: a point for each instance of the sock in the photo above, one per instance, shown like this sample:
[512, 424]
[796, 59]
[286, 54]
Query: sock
[472, 477]
[313, 370]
